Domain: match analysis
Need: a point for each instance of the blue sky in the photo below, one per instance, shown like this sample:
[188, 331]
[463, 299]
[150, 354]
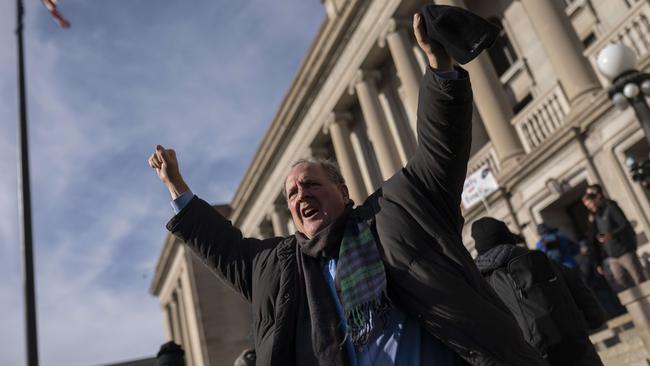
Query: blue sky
[204, 77]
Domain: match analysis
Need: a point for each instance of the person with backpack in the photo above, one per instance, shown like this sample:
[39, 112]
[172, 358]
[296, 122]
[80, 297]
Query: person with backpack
[552, 305]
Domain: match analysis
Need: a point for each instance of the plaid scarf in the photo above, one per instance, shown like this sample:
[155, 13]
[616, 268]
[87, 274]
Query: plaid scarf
[361, 280]
[360, 283]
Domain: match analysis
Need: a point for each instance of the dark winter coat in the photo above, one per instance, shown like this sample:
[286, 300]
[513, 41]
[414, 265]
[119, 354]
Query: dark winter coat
[610, 218]
[416, 219]
[578, 307]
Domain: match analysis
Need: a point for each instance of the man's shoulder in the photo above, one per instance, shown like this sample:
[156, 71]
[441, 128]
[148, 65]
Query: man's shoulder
[283, 246]
[273, 258]
[370, 206]
[610, 204]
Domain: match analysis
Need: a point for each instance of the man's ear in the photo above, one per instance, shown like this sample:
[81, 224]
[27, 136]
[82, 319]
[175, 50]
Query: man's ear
[345, 192]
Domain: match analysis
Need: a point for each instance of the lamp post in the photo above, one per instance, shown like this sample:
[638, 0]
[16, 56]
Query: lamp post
[629, 86]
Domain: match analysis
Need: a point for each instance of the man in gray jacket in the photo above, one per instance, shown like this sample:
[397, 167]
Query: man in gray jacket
[388, 282]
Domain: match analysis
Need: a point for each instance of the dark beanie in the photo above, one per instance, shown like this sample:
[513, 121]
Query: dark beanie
[489, 232]
[170, 354]
[462, 33]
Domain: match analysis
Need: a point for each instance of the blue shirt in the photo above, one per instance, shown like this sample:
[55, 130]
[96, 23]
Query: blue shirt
[400, 342]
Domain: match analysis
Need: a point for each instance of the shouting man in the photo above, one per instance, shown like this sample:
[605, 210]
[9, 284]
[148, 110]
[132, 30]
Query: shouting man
[388, 282]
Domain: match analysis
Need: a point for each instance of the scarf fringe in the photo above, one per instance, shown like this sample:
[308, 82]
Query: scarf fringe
[363, 318]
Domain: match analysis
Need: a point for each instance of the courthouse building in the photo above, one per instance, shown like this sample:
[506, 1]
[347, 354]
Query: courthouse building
[543, 128]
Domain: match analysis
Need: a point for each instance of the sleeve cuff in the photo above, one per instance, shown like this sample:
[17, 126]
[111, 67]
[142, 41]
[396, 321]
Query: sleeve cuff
[448, 74]
[181, 201]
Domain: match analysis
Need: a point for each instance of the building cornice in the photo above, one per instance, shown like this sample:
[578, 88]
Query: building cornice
[165, 261]
[321, 57]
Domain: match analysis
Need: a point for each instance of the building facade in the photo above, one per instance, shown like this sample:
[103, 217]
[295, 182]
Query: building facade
[201, 313]
[543, 123]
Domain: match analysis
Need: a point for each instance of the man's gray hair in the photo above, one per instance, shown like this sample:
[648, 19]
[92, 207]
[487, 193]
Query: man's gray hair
[331, 169]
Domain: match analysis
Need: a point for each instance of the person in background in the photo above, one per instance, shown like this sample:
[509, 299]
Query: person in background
[170, 354]
[616, 235]
[557, 246]
[553, 307]
[588, 262]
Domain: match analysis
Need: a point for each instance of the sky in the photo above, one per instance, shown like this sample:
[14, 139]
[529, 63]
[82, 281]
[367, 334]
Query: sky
[202, 76]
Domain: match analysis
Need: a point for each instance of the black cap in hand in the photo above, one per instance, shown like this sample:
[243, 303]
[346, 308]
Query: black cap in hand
[462, 33]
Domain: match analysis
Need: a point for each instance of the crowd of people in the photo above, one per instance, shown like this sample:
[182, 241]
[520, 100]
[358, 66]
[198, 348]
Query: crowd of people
[389, 281]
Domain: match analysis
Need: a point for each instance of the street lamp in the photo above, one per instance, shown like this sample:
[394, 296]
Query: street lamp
[629, 86]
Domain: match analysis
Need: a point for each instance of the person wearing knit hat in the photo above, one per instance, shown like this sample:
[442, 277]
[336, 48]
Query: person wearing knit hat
[551, 303]
[489, 232]
[170, 354]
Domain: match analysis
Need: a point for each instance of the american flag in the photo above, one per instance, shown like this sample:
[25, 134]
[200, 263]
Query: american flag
[51, 6]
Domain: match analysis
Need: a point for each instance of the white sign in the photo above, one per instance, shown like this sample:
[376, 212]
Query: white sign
[478, 185]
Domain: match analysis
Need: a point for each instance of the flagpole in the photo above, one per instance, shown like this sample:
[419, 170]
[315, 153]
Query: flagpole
[25, 211]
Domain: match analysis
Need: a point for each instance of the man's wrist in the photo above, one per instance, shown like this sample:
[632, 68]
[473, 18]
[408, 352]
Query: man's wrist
[177, 188]
[441, 63]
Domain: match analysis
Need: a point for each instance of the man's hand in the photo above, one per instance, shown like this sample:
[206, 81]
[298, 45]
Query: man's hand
[436, 54]
[166, 165]
[604, 237]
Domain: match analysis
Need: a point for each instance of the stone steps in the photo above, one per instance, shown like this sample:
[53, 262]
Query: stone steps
[620, 344]
[629, 353]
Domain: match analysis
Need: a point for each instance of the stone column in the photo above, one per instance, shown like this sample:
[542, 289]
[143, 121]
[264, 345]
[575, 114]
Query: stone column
[182, 313]
[167, 321]
[279, 220]
[338, 127]
[365, 85]
[318, 152]
[562, 47]
[492, 104]
[177, 332]
[401, 49]
[265, 229]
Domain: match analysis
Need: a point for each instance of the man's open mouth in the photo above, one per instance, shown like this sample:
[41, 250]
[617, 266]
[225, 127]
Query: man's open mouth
[309, 212]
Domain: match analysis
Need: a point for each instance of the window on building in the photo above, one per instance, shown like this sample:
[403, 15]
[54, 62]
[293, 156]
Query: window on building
[637, 165]
[589, 40]
[502, 53]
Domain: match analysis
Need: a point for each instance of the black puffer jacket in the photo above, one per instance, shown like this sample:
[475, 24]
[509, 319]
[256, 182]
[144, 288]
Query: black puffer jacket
[416, 219]
[576, 305]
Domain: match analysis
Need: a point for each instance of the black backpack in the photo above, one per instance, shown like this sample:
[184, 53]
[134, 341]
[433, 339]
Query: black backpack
[547, 311]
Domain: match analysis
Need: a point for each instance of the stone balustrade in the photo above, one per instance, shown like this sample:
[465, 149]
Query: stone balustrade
[633, 31]
[540, 119]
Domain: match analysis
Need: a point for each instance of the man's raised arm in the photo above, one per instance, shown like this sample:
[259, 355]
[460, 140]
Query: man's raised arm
[217, 242]
[444, 124]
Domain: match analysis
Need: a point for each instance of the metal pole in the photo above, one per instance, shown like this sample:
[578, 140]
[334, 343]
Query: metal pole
[25, 200]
